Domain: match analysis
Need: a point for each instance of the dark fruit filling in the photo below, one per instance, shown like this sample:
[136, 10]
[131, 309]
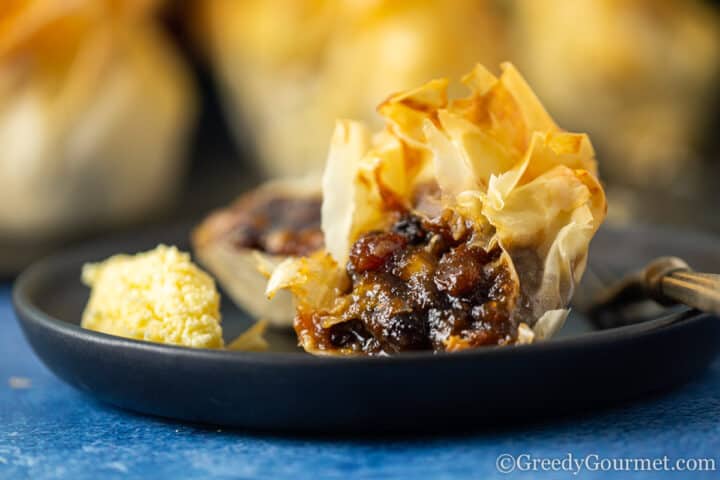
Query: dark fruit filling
[280, 226]
[272, 223]
[423, 285]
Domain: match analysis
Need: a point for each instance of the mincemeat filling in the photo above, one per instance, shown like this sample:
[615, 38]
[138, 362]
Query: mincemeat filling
[278, 225]
[422, 285]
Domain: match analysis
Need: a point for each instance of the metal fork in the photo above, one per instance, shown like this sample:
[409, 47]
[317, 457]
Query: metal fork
[669, 281]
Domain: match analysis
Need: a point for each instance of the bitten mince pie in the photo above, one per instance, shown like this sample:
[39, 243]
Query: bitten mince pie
[463, 223]
[242, 243]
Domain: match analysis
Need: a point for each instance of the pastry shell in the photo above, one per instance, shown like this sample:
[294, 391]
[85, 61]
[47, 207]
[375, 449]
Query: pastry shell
[499, 160]
[243, 272]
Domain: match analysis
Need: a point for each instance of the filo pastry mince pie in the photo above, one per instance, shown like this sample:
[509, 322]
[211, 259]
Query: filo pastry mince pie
[243, 242]
[95, 106]
[463, 223]
[319, 60]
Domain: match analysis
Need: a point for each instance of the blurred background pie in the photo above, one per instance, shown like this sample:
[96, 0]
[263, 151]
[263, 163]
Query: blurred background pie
[118, 113]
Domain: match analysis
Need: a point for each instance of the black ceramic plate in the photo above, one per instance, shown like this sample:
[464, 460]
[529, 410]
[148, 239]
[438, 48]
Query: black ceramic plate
[285, 389]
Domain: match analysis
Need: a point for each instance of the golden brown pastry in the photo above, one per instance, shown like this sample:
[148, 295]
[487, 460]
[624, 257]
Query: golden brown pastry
[462, 223]
[639, 75]
[94, 110]
[289, 68]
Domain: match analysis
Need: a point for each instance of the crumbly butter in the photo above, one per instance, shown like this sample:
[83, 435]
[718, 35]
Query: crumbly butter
[158, 296]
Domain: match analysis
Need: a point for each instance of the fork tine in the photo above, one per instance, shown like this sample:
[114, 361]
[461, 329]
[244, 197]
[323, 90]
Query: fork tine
[667, 280]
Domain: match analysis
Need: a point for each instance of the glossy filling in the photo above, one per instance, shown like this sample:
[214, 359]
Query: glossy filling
[278, 225]
[423, 285]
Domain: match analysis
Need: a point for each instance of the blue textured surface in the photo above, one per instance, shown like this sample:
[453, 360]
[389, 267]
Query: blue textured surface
[51, 431]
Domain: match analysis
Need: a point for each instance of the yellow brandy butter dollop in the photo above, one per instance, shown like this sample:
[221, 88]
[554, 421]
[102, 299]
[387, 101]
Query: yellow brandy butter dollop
[158, 296]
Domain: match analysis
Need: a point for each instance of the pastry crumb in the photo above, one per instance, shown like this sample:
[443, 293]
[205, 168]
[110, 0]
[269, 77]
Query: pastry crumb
[252, 339]
[19, 383]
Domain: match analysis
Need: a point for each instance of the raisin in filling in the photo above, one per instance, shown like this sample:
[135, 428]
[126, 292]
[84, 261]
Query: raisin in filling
[277, 225]
[423, 285]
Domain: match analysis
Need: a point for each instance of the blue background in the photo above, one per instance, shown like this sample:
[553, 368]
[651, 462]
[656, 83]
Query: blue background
[51, 431]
